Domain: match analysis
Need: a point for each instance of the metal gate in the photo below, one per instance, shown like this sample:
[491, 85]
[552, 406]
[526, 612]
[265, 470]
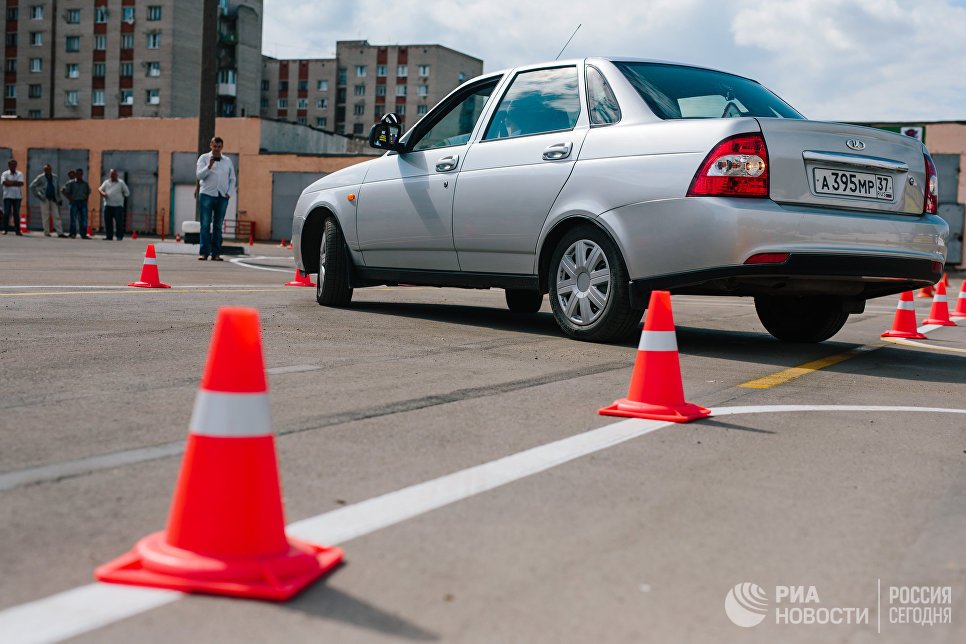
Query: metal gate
[947, 167]
[139, 170]
[61, 161]
[286, 189]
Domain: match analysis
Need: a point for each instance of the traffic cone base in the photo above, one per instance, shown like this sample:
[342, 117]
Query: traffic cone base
[301, 279]
[676, 414]
[938, 322]
[907, 335]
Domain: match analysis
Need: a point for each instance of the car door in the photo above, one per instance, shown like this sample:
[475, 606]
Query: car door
[405, 207]
[511, 177]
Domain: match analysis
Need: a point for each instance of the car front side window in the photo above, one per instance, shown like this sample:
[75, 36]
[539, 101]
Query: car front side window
[538, 101]
[454, 126]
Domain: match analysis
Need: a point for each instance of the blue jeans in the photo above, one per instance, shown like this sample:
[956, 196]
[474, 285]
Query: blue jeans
[213, 211]
[11, 207]
[78, 217]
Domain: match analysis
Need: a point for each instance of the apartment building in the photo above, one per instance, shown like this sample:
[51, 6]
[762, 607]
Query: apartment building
[350, 92]
[121, 58]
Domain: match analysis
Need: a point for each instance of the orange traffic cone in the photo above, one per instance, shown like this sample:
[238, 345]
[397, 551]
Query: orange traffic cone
[226, 528]
[149, 271]
[656, 390]
[23, 225]
[251, 239]
[289, 246]
[177, 237]
[960, 311]
[281, 244]
[134, 235]
[904, 322]
[939, 313]
[89, 233]
[301, 279]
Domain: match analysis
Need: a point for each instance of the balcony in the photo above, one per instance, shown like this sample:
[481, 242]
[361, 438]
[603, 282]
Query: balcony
[227, 89]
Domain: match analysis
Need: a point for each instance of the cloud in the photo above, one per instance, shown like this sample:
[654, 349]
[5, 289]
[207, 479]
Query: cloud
[831, 59]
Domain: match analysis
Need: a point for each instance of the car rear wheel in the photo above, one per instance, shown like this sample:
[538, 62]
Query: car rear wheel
[332, 287]
[811, 318]
[523, 301]
[589, 287]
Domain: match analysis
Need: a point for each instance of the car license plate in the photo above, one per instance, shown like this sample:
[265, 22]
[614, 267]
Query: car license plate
[853, 184]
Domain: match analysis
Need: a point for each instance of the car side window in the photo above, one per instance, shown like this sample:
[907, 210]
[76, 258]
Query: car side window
[538, 101]
[454, 126]
[601, 103]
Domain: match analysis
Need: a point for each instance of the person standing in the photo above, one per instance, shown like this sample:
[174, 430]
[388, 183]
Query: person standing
[216, 175]
[12, 181]
[77, 192]
[44, 188]
[114, 191]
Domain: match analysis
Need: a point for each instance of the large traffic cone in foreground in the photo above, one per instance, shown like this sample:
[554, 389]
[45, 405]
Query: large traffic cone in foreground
[904, 322]
[149, 271]
[960, 311]
[939, 313]
[301, 279]
[226, 528]
[656, 389]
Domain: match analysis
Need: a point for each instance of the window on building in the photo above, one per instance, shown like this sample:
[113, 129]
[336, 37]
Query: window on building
[283, 103]
[400, 90]
[400, 110]
[154, 40]
[283, 85]
[154, 12]
[73, 70]
[10, 91]
[99, 70]
[380, 111]
[402, 70]
[359, 109]
[380, 90]
[35, 91]
[100, 42]
[303, 104]
[73, 16]
[127, 15]
[340, 95]
[322, 85]
[303, 86]
[360, 70]
[11, 65]
[72, 43]
[264, 104]
[424, 70]
[127, 69]
[301, 120]
[321, 121]
[358, 128]
[381, 70]
[36, 38]
[154, 69]
[100, 14]
[322, 103]
[225, 76]
[35, 114]
[423, 90]
[127, 41]
[13, 14]
[152, 96]
[265, 86]
[11, 39]
[342, 75]
[360, 90]
[37, 12]
[70, 98]
[421, 109]
[97, 97]
[127, 97]
[36, 65]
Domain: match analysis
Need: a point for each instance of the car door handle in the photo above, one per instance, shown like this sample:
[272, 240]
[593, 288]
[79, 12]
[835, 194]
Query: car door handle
[446, 164]
[558, 151]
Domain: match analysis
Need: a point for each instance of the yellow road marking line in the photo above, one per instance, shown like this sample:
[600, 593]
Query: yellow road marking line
[792, 373]
[912, 343]
[149, 290]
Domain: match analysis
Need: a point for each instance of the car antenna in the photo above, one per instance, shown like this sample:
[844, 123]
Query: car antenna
[568, 42]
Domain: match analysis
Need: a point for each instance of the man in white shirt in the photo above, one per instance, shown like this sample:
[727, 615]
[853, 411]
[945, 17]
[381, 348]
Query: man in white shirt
[114, 191]
[12, 195]
[216, 176]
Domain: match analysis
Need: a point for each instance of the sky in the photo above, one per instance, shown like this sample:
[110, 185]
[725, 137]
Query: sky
[837, 60]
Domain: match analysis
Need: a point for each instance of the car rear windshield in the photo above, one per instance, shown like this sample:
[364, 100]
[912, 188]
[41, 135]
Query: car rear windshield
[681, 92]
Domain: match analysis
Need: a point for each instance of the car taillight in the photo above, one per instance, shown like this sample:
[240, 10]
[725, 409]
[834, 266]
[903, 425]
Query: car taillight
[736, 167]
[931, 205]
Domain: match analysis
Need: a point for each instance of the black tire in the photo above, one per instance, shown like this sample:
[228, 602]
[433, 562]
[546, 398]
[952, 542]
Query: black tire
[615, 320]
[332, 287]
[806, 318]
[523, 301]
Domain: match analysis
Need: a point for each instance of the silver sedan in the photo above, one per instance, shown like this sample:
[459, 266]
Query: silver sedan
[599, 180]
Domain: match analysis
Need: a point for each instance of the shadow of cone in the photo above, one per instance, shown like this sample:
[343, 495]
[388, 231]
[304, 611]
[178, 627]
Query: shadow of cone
[226, 528]
[904, 323]
[656, 390]
[939, 313]
[960, 311]
[149, 271]
[300, 280]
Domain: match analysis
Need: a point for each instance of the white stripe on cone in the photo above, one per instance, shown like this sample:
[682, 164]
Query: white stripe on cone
[658, 341]
[230, 415]
[150, 261]
[939, 298]
[906, 306]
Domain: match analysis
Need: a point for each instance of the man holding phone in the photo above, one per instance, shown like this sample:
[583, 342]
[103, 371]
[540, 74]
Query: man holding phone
[216, 177]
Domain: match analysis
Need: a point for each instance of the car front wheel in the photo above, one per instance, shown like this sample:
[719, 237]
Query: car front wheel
[807, 318]
[332, 287]
[589, 287]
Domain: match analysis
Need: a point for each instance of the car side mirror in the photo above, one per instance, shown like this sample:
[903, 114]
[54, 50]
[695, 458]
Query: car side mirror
[385, 134]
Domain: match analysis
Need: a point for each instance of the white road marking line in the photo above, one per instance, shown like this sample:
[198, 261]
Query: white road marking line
[298, 368]
[241, 262]
[93, 606]
[923, 345]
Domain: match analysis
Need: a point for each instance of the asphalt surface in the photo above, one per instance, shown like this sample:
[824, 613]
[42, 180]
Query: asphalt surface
[639, 541]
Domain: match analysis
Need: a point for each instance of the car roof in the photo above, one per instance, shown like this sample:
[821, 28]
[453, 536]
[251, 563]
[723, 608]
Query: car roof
[610, 59]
